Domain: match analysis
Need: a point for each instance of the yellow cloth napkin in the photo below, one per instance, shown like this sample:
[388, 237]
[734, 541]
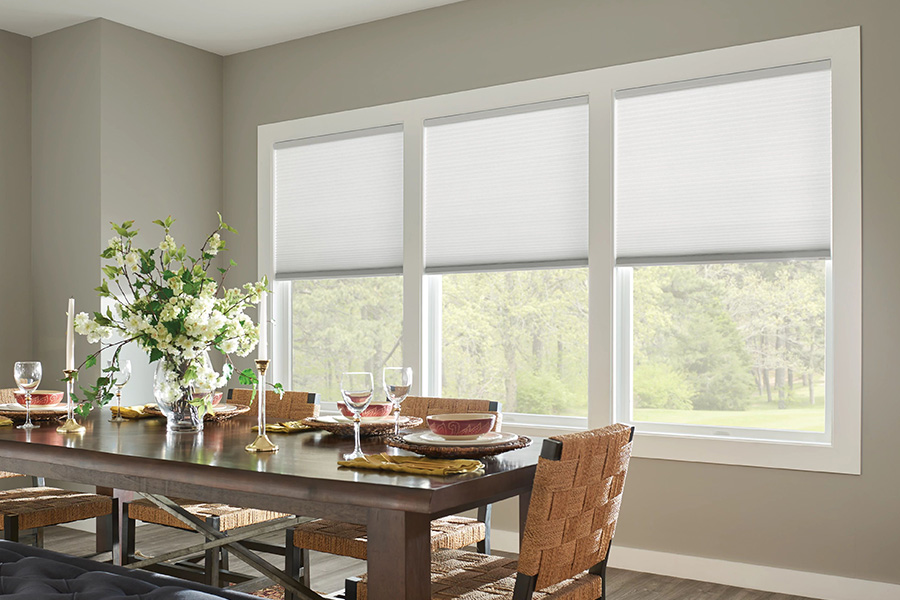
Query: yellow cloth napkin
[414, 464]
[285, 427]
[130, 412]
[4, 422]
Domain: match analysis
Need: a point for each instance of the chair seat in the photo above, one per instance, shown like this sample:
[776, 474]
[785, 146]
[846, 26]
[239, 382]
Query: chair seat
[459, 575]
[45, 506]
[346, 539]
[230, 517]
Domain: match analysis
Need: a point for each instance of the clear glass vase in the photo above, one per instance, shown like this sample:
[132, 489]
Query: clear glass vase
[182, 405]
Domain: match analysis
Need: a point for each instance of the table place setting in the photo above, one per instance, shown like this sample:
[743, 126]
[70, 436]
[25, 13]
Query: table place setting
[286, 427]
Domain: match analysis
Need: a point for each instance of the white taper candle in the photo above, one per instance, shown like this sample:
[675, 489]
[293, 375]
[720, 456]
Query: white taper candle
[70, 335]
[263, 328]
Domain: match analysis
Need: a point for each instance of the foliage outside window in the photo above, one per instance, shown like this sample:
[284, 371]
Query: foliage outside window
[519, 337]
[347, 324]
[738, 345]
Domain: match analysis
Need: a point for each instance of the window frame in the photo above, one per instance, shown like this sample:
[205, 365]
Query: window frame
[421, 325]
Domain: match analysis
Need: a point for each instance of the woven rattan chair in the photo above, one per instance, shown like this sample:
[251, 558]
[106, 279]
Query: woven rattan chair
[40, 506]
[222, 517]
[570, 526]
[346, 539]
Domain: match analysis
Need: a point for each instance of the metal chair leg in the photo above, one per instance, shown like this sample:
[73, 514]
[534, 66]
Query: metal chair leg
[296, 563]
[484, 515]
[212, 564]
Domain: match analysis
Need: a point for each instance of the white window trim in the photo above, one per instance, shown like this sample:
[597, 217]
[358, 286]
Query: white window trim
[842, 455]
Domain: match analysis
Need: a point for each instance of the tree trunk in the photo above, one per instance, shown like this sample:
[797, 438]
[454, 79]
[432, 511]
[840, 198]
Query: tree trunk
[767, 384]
[779, 373]
[812, 389]
[559, 359]
[537, 351]
[758, 378]
[511, 368]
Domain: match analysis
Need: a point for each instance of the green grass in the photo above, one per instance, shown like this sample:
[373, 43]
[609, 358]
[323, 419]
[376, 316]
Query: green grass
[799, 416]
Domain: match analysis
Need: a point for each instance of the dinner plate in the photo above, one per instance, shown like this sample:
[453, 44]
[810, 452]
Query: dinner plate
[343, 419]
[431, 439]
[16, 407]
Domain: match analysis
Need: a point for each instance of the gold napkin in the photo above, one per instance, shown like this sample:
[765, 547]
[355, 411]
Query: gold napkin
[416, 465]
[4, 422]
[130, 412]
[285, 427]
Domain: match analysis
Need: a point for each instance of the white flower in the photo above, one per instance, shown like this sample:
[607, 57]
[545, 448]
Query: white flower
[215, 244]
[133, 260]
[168, 244]
[176, 284]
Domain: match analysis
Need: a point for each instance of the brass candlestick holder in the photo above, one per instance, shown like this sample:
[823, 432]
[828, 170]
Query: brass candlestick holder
[262, 442]
[71, 425]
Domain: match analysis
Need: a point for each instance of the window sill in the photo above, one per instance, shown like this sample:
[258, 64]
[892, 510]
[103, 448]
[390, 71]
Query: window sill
[777, 454]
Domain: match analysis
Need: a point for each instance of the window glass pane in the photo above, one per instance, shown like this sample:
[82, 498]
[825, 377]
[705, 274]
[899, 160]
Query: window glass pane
[351, 324]
[739, 345]
[519, 337]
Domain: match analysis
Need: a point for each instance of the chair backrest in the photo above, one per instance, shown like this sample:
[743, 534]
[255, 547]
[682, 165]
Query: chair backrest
[8, 474]
[422, 406]
[292, 407]
[574, 505]
[8, 395]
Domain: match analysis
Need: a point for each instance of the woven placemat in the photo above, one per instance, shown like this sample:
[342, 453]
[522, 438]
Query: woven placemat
[50, 413]
[366, 428]
[458, 451]
[222, 412]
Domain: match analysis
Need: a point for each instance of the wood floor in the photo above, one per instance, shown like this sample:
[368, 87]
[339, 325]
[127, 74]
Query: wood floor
[328, 571]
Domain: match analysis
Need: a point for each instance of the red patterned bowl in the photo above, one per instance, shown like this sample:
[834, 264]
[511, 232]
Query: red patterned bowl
[41, 398]
[375, 410]
[466, 426]
[217, 397]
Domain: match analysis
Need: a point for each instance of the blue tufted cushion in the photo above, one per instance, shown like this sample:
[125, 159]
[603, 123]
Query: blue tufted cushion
[28, 573]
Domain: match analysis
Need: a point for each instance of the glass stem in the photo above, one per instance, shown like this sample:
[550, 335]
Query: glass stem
[356, 448]
[397, 420]
[28, 409]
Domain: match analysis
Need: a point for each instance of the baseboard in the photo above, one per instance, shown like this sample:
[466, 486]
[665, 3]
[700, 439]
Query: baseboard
[757, 577]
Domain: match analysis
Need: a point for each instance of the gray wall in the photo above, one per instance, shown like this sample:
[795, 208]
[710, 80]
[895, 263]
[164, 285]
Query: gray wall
[65, 220]
[127, 125]
[15, 202]
[842, 525]
[161, 149]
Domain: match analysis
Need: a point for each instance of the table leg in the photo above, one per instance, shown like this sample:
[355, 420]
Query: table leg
[399, 555]
[524, 501]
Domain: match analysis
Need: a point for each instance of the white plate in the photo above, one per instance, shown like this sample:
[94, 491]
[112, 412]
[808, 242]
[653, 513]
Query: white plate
[343, 419]
[431, 439]
[21, 407]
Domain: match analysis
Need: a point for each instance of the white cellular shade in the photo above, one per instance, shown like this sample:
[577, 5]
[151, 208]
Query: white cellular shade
[339, 204]
[507, 188]
[725, 168]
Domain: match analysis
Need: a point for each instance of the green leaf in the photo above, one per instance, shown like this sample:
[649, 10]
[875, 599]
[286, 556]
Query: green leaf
[247, 377]
[108, 253]
[155, 354]
[159, 222]
[91, 361]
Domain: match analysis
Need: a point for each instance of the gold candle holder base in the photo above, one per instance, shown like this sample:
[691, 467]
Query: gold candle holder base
[262, 444]
[71, 425]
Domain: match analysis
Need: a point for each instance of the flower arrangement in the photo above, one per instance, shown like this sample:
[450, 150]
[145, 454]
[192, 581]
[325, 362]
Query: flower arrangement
[167, 302]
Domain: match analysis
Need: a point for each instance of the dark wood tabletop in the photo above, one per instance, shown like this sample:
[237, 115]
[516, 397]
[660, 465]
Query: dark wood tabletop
[302, 478]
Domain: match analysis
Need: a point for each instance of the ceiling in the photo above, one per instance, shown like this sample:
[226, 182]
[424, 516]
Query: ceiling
[221, 26]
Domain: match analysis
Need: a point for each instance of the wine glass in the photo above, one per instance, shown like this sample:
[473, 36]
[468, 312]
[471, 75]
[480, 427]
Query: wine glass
[397, 382]
[28, 378]
[120, 379]
[357, 390]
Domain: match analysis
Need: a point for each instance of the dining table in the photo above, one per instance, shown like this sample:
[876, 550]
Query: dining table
[302, 478]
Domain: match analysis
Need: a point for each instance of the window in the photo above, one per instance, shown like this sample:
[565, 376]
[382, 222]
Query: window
[506, 202]
[338, 231]
[673, 243]
[712, 176]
